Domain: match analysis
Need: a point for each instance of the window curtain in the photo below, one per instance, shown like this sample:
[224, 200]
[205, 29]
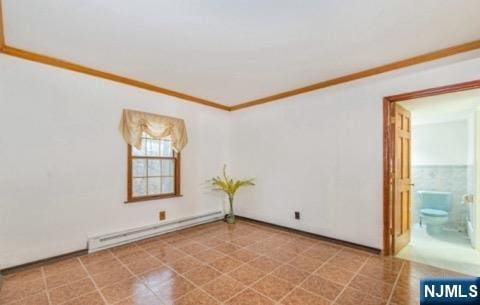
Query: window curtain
[133, 123]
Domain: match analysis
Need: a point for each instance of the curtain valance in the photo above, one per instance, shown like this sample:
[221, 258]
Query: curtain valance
[133, 123]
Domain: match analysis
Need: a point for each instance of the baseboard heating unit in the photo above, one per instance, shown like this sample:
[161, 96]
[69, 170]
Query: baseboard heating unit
[119, 238]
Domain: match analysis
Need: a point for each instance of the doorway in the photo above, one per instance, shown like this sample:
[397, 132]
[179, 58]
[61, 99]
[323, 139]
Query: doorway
[402, 199]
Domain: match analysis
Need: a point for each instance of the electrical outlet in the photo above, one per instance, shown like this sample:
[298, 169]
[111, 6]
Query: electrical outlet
[162, 215]
[297, 215]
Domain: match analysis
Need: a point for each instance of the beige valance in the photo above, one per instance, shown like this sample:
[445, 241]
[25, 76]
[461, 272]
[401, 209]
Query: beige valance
[133, 123]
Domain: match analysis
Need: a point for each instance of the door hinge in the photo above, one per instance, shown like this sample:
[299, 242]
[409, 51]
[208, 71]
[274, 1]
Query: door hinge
[392, 120]
[390, 230]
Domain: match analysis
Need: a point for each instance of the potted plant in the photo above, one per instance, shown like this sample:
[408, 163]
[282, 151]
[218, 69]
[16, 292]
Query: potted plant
[229, 186]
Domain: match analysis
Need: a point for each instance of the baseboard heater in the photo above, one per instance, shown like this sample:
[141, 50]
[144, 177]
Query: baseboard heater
[119, 238]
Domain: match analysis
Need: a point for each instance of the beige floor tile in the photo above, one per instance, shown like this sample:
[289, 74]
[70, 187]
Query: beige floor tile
[249, 297]
[303, 297]
[223, 288]
[273, 287]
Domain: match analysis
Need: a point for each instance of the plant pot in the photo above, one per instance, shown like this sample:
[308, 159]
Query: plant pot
[230, 219]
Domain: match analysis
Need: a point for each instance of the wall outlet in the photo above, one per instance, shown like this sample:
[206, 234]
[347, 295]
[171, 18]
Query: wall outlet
[162, 215]
[297, 215]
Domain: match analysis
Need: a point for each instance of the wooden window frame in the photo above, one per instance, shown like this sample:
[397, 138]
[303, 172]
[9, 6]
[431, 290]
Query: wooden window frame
[176, 186]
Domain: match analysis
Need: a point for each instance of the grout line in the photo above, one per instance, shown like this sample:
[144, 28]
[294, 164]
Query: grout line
[203, 264]
[395, 283]
[240, 266]
[305, 279]
[250, 286]
[47, 291]
[295, 286]
[226, 273]
[78, 296]
[271, 274]
[56, 287]
[350, 281]
[94, 284]
[221, 233]
[192, 283]
[135, 275]
[190, 239]
[164, 264]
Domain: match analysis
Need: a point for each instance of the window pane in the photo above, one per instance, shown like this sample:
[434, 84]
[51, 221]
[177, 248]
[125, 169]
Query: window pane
[153, 186]
[139, 167]
[139, 187]
[141, 152]
[166, 148]
[153, 167]
[167, 185]
[167, 167]
[153, 147]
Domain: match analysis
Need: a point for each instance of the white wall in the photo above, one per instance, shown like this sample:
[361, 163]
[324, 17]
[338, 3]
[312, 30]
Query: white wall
[63, 162]
[321, 153]
[441, 143]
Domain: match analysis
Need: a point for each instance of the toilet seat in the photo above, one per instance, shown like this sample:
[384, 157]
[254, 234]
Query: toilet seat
[434, 219]
[435, 208]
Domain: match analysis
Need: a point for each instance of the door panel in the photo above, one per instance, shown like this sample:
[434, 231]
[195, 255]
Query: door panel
[401, 178]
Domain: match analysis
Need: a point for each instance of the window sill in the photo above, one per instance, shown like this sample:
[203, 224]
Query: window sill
[139, 199]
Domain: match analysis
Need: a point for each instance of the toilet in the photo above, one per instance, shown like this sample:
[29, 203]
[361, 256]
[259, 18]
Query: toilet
[434, 210]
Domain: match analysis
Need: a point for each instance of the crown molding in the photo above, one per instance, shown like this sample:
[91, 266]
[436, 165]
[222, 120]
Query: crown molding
[465, 47]
[60, 63]
[52, 61]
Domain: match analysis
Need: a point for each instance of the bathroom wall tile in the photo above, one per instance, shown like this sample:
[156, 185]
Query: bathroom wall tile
[443, 178]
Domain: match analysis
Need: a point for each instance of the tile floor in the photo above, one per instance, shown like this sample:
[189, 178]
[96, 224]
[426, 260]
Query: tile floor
[216, 263]
[449, 250]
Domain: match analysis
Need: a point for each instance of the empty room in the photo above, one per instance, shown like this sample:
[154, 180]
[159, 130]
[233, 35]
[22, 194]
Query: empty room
[239, 152]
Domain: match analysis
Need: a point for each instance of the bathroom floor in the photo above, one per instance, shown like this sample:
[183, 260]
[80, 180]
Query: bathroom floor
[450, 250]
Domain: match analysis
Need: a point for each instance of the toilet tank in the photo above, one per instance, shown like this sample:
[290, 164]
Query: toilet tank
[436, 200]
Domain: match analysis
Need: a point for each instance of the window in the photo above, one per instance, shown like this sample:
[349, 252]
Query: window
[153, 171]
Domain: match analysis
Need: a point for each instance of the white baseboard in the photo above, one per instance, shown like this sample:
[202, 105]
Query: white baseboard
[98, 243]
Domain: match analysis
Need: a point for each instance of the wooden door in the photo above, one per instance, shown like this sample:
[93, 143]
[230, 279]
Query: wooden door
[401, 178]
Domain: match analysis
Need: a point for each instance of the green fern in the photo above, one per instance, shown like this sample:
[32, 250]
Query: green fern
[229, 186]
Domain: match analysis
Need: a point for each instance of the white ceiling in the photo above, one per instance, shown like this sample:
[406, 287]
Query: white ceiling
[234, 51]
[443, 108]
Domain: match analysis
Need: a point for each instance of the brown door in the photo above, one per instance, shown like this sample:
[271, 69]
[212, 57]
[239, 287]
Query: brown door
[401, 178]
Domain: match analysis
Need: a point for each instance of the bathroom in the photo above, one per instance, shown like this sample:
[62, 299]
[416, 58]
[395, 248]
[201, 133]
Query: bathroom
[445, 133]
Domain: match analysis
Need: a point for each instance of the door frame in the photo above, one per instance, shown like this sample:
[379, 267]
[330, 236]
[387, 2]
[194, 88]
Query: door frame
[388, 149]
